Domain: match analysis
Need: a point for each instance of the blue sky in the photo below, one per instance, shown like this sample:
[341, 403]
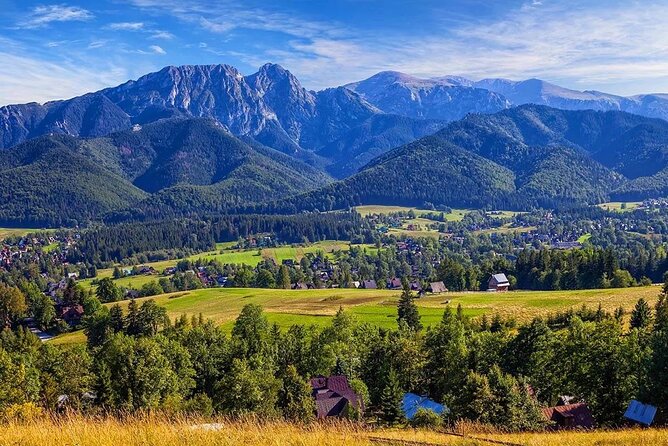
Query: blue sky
[52, 50]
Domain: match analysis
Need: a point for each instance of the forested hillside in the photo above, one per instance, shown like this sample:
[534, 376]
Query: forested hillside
[191, 166]
[518, 158]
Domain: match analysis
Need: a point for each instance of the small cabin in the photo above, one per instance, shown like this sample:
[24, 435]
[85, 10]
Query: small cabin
[498, 283]
[437, 287]
[570, 416]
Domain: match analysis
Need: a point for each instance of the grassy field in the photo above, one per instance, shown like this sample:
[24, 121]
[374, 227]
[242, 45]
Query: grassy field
[159, 431]
[379, 307]
[11, 232]
[506, 229]
[618, 205]
[224, 255]
[455, 215]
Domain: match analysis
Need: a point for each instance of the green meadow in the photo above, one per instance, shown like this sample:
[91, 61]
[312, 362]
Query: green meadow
[378, 307]
[225, 255]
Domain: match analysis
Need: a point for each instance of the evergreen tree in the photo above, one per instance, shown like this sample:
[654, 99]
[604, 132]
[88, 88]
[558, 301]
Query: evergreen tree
[641, 316]
[116, 319]
[391, 399]
[407, 310]
[132, 322]
[295, 398]
[661, 310]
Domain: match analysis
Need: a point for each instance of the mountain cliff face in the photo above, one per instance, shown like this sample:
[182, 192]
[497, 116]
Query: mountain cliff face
[452, 97]
[445, 99]
[270, 105]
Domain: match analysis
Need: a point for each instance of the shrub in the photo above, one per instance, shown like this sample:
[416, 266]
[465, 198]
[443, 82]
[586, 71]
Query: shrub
[426, 418]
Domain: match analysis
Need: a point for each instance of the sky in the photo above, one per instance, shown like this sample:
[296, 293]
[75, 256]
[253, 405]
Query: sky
[55, 50]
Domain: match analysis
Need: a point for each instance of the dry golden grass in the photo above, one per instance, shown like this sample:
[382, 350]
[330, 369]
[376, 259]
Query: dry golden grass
[157, 430]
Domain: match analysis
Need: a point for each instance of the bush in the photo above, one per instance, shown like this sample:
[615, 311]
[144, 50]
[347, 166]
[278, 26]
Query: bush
[426, 419]
[21, 412]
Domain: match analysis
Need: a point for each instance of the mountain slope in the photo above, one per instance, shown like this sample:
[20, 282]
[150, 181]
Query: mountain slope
[517, 158]
[45, 182]
[270, 105]
[180, 166]
[401, 94]
[373, 137]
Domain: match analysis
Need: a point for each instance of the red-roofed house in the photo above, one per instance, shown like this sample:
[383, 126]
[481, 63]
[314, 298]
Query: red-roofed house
[570, 416]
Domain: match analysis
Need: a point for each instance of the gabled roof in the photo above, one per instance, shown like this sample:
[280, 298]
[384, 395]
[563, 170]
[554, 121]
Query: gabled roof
[640, 413]
[412, 403]
[438, 287]
[500, 278]
[332, 395]
[579, 415]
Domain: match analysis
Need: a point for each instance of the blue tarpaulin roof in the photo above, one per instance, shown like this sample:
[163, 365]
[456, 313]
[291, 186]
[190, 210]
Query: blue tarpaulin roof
[640, 413]
[413, 402]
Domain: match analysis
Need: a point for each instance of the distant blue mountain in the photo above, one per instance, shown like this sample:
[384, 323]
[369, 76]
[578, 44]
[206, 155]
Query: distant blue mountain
[452, 97]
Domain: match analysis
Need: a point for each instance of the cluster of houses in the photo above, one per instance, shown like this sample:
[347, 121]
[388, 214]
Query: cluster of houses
[334, 397]
[34, 249]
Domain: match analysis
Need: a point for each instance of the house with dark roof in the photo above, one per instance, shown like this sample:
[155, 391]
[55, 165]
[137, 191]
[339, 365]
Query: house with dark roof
[394, 284]
[333, 395]
[640, 413]
[369, 285]
[569, 416]
[498, 282]
[412, 403]
[70, 314]
[437, 287]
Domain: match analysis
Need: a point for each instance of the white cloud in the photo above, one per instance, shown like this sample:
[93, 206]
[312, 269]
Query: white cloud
[157, 49]
[126, 26]
[164, 35]
[615, 47]
[46, 14]
[24, 79]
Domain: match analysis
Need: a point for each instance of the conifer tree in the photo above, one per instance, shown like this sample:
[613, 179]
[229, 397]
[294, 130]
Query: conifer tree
[407, 310]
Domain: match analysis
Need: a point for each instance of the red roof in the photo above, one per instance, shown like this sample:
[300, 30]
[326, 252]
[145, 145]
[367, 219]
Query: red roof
[570, 415]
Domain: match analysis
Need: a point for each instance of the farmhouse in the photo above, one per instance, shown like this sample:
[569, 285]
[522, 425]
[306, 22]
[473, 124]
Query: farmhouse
[369, 284]
[333, 395]
[394, 284]
[570, 416]
[437, 288]
[498, 282]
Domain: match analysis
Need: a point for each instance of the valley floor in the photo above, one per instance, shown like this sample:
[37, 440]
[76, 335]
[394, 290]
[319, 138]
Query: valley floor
[158, 431]
[379, 307]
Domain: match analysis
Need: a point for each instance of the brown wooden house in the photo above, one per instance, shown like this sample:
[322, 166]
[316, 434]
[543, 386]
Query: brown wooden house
[570, 416]
[498, 282]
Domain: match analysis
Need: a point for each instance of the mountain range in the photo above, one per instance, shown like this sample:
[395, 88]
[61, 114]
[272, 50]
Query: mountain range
[201, 140]
[452, 97]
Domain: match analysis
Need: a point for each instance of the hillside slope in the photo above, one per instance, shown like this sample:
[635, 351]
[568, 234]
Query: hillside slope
[517, 158]
[180, 166]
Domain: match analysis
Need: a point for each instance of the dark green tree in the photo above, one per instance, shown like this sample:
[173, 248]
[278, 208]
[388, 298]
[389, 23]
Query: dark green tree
[390, 407]
[641, 316]
[407, 310]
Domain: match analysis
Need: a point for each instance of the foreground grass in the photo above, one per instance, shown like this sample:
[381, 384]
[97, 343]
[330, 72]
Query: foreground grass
[148, 431]
[379, 307]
